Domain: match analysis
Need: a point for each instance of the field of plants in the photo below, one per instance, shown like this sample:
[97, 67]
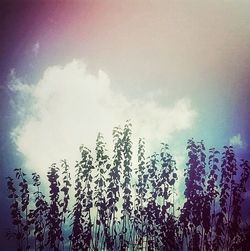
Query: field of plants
[111, 204]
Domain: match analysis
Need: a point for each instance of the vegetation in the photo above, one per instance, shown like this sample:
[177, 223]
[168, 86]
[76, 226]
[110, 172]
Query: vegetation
[119, 206]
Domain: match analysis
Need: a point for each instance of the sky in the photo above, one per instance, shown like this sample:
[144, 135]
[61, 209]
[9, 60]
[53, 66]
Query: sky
[69, 69]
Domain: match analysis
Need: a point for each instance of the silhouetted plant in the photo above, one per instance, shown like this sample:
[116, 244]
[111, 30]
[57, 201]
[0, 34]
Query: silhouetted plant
[65, 189]
[191, 218]
[113, 189]
[235, 227]
[209, 209]
[166, 182]
[38, 215]
[16, 216]
[140, 199]
[24, 196]
[100, 232]
[82, 224]
[54, 215]
[126, 186]
[152, 208]
[64, 202]
[228, 171]
[103, 215]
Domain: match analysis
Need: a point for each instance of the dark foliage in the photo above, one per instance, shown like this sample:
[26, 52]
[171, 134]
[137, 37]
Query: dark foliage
[117, 206]
[38, 215]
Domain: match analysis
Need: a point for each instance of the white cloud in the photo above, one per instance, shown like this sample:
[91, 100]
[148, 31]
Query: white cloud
[69, 106]
[236, 140]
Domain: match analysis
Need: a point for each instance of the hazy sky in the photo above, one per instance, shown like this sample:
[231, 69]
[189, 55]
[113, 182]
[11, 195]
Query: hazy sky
[177, 69]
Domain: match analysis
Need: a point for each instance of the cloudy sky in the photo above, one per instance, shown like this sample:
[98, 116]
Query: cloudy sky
[176, 69]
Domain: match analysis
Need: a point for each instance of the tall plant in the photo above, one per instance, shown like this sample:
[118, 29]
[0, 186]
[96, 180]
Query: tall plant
[191, 218]
[82, 223]
[54, 216]
[140, 198]
[228, 172]
[100, 232]
[209, 209]
[16, 215]
[113, 189]
[126, 186]
[38, 214]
